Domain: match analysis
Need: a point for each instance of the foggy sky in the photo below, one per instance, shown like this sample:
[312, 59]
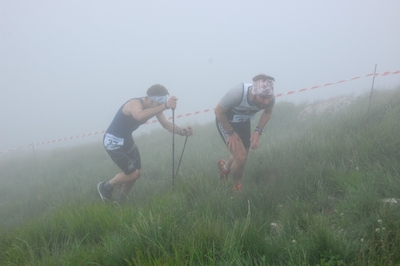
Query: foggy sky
[67, 66]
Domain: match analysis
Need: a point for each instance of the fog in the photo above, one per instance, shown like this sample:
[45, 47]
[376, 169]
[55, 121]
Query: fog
[67, 66]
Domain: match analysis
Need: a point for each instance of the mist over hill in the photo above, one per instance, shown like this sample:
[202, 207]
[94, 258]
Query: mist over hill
[321, 190]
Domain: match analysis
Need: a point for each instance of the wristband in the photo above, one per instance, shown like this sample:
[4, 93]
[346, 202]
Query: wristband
[230, 133]
[166, 105]
[259, 130]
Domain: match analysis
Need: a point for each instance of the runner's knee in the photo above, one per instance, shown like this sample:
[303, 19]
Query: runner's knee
[135, 175]
[240, 158]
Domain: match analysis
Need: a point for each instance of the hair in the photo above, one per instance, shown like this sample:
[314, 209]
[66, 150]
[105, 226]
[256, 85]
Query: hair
[263, 76]
[157, 90]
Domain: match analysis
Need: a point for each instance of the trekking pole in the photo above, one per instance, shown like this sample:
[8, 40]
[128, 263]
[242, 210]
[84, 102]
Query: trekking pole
[173, 147]
[180, 159]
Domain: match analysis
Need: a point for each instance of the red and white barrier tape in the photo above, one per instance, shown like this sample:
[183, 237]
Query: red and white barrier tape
[55, 140]
[340, 81]
[206, 110]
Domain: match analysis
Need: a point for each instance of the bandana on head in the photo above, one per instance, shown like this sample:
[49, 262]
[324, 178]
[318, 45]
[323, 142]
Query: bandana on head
[263, 87]
[159, 99]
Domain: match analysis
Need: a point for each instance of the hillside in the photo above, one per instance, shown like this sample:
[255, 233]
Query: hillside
[319, 191]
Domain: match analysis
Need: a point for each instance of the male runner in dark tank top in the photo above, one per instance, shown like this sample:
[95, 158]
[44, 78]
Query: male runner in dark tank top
[119, 143]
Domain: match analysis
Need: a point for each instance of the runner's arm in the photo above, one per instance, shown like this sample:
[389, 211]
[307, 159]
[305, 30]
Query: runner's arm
[220, 113]
[168, 125]
[264, 118]
[255, 136]
[135, 109]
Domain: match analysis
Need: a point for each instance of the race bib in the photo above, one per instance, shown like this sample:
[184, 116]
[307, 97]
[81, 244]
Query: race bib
[112, 142]
[241, 118]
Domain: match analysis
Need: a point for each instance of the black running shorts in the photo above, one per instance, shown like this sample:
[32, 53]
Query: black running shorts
[127, 157]
[241, 128]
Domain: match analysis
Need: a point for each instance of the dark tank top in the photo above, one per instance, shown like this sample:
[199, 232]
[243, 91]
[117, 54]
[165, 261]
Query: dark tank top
[123, 125]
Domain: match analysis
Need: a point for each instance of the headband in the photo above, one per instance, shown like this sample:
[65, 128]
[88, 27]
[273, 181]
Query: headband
[159, 99]
[263, 87]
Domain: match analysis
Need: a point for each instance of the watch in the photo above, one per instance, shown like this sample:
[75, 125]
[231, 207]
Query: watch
[230, 133]
[259, 130]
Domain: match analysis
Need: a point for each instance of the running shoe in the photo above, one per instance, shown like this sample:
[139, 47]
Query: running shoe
[238, 187]
[223, 174]
[105, 194]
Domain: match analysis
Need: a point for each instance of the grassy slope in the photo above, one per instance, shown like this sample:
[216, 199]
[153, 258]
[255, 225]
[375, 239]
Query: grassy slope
[312, 195]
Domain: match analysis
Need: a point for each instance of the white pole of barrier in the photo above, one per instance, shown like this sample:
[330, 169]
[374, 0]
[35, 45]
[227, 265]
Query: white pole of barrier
[372, 88]
[173, 146]
[34, 154]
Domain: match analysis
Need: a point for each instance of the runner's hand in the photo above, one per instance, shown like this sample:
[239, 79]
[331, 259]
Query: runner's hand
[255, 137]
[234, 142]
[188, 131]
[172, 102]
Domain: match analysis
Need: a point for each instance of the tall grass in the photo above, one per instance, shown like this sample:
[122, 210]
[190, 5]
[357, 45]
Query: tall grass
[314, 194]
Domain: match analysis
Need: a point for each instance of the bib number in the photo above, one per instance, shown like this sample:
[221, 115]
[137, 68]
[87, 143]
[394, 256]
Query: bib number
[112, 142]
[241, 118]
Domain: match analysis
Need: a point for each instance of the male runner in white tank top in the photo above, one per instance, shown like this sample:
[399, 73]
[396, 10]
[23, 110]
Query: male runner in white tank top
[233, 115]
